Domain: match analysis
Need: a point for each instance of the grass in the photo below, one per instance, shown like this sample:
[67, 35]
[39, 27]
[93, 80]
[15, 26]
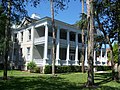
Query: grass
[20, 80]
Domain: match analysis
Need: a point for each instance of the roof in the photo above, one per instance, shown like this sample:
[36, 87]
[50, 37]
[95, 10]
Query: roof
[29, 21]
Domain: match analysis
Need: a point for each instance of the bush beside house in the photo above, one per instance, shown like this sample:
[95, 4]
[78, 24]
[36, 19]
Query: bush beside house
[31, 66]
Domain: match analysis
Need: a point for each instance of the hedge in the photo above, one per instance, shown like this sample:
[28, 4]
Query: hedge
[62, 69]
[103, 68]
[68, 69]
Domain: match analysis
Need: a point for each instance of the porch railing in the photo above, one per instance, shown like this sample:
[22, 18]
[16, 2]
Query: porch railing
[39, 62]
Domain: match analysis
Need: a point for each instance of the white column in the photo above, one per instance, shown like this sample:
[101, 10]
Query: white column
[68, 47]
[95, 57]
[19, 36]
[105, 54]
[101, 55]
[76, 52]
[86, 61]
[58, 46]
[46, 44]
[32, 39]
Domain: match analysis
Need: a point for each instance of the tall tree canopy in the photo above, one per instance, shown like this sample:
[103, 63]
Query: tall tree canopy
[106, 16]
[18, 10]
[13, 11]
[2, 28]
[115, 53]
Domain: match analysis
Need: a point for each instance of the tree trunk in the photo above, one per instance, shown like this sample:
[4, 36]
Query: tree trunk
[110, 44]
[83, 45]
[7, 39]
[90, 80]
[112, 63]
[118, 54]
[53, 40]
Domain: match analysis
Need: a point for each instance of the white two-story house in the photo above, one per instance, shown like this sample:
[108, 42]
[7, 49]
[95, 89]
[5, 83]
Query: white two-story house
[33, 42]
[34, 38]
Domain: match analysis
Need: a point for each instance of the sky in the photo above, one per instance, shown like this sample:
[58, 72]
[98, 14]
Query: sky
[70, 15]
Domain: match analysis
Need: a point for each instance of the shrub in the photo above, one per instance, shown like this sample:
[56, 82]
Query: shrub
[38, 69]
[103, 68]
[31, 66]
[48, 69]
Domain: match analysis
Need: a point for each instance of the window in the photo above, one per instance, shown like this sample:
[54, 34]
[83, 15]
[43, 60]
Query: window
[15, 51]
[63, 35]
[63, 53]
[20, 51]
[21, 36]
[29, 34]
[80, 38]
[49, 54]
[50, 34]
[72, 36]
[15, 37]
[72, 54]
[28, 52]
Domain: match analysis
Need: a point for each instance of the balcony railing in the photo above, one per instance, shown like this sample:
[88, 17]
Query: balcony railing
[39, 40]
[63, 42]
[72, 43]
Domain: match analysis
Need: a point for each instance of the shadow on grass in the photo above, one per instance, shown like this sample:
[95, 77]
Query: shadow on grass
[37, 83]
[109, 88]
[51, 83]
[103, 78]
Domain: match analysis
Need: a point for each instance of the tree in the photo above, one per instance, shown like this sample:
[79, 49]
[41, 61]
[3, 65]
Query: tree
[90, 28]
[61, 5]
[6, 40]
[105, 15]
[115, 53]
[83, 42]
[118, 31]
[54, 40]
[13, 10]
[82, 24]
[119, 54]
[2, 33]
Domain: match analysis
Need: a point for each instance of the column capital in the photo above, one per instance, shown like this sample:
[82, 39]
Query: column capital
[58, 27]
[46, 24]
[68, 31]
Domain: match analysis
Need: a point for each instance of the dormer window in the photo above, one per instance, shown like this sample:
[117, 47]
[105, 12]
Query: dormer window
[21, 36]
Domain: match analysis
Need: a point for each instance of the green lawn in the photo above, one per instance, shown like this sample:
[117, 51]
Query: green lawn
[73, 81]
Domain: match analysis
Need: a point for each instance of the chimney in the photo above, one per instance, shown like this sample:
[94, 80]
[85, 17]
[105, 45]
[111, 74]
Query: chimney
[35, 16]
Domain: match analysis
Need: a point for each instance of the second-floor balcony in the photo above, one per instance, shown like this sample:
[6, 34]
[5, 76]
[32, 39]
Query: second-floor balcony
[63, 42]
